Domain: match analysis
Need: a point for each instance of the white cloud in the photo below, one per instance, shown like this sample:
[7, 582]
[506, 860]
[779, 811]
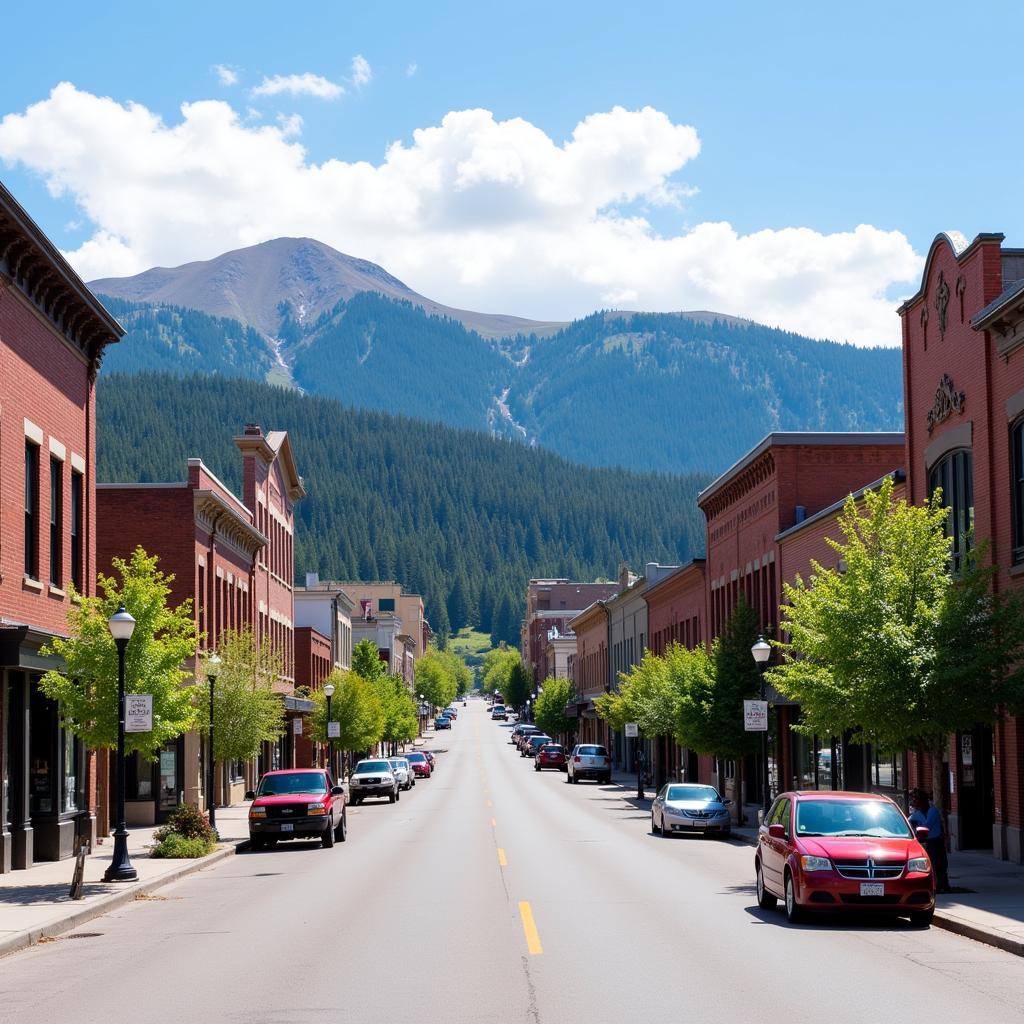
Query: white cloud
[306, 84]
[225, 75]
[475, 212]
[291, 124]
[361, 71]
[411, 68]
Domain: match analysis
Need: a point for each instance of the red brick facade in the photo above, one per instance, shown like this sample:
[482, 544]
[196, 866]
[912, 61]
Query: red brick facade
[676, 608]
[590, 668]
[312, 667]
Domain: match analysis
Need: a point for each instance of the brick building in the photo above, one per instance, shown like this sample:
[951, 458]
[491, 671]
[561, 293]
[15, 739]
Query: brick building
[590, 671]
[233, 559]
[389, 602]
[53, 333]
[963, 368]
[325, 607]
[314, 662]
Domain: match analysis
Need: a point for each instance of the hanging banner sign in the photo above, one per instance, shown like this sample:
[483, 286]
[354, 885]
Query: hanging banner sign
[632, 730]
[138, 712]
[296, 726]
[333, 730]
[755, 715]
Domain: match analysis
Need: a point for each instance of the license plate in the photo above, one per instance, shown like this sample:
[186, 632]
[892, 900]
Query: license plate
[288, 827]
[872, 889]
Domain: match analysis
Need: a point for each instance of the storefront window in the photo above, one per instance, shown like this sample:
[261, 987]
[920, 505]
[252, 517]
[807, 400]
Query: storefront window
[71, 780]
[169, 777]
[887, 769]
[954, 474]
[43, 751]
[1017, 482]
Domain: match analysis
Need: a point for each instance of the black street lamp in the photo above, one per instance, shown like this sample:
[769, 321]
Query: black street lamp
[422, 716]
[121, 626]
[213, 664]
[762, 651]
[329, 693]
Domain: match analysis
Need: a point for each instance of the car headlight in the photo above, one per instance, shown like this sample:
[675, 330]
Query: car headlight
[676, 812]
[816, 863]
[919, 864]
[722, 813]
[257, 812]
[316, 808]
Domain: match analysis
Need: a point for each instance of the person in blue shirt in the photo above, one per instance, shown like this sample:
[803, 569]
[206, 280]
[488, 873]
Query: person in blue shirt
[926, 815]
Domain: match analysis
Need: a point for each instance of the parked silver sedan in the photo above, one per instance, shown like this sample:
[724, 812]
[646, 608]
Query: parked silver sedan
[403, 772]
[688, 807]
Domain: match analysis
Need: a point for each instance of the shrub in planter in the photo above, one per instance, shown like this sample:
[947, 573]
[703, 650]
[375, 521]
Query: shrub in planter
[174, 845]
[189, 822]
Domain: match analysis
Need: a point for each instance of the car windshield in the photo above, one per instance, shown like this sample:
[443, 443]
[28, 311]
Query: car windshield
[416, 757]
[552, 748]
[697, 794]
[368, 767]
[297, 782]
[592, 751]
[539, 740]
[876, 818]
[399, 764]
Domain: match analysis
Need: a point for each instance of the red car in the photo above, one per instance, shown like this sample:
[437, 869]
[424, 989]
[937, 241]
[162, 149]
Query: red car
[819, 851]
[421, 767]
[297, 803]
[430, 757]
[551, 755]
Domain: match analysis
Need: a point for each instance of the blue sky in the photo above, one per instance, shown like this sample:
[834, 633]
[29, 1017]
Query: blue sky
[812, 117]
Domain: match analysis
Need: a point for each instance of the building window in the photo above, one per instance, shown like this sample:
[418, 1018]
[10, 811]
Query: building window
[1017, 454]
[77, 482]
[56, 522]
[386, 604]
[954, 475]
[31, 510]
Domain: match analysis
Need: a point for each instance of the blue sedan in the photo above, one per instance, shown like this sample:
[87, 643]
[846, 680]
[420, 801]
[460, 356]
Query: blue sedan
[442, 722]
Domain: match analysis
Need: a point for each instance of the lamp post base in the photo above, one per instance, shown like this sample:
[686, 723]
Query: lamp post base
[120, 868]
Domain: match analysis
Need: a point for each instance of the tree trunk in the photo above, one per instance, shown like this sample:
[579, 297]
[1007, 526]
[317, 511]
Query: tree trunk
[737, 784]
[939, 783]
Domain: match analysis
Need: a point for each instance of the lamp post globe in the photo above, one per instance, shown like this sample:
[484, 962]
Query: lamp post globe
[121, 625]
[213, 664]
[761, 652]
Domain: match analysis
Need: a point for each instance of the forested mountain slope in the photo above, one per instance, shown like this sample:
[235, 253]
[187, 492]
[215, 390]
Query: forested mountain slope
[457, 515]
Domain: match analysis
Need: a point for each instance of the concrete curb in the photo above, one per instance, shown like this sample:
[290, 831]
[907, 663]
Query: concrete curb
[119, 897]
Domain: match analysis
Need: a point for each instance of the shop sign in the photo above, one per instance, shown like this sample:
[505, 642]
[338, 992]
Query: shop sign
[138, 712]
[632, 730]
[296, 726]
[334, 730]
[755, 715]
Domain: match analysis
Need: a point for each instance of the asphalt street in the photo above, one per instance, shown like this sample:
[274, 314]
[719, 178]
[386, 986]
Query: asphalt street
[493, 894]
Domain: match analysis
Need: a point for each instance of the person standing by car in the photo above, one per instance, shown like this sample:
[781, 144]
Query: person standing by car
[926, 815]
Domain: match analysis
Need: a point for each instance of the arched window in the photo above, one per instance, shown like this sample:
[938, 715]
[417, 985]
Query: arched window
[1017, 482]
[954, 474]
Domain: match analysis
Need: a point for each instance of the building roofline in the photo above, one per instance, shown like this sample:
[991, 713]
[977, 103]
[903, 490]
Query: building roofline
[123, 486]
[1009, 298]
[960, 248]
[783, 439]
[587, 612]
[897, 476]
[693, 563]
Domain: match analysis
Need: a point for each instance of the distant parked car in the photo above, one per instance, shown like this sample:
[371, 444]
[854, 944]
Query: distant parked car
[373, 778]
[528, 731]
[430, 757]
[451, 712]
[498, 713]
[550, 755]
[589, 761]
[442, 722]
[297, 803]
[687, 807]
[533, 744]
[421, 767]
[403, 772]
[518, 729]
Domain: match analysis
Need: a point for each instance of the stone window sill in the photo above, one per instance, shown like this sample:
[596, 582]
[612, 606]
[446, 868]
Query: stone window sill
[56, 591]
[1016, 570]
[31, 584]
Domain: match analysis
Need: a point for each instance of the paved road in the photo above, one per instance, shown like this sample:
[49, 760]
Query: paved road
[424, 915]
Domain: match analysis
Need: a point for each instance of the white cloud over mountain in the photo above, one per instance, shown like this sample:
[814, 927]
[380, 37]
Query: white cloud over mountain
[474, 212]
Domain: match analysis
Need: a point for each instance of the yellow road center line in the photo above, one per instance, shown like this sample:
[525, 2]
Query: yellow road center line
[502, 860]
[494, 823]
[533, 945]
[489, 804]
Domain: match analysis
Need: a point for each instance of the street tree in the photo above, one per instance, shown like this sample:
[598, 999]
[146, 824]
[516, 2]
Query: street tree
[549, 711]
[164, 641]
[435, 680]
[246, 711]
[518, 686]
[366, 661]
[355, 706]
[895, 648]
[401, 723]
[497, 668]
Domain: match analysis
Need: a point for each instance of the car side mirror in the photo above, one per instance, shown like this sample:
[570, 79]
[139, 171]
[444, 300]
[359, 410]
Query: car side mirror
[250, 795]
[922, 835]
[337, 791]
[777, 831]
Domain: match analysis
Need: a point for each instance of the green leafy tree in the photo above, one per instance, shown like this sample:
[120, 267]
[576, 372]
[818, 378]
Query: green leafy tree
[497, 669]
[434, 679]
[163, 642]
[246, 710]
[549, 711]
[366, 661]
[895, 648]
[518, 687]
[356, 706]
[400, 720]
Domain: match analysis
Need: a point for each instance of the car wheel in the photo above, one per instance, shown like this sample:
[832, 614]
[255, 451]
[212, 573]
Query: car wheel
[536, 767]
[655, 827]
[575, 780]
[794, 913]
[765, 900]
[327, 836]
[391, 798]
[398, 793]
[607, 780]
[271, 841]
[256, 843]
[922, 918]
[341, 832]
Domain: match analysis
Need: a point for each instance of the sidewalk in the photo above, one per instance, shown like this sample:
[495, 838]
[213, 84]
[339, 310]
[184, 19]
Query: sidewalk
[36, 904]
[990, 911]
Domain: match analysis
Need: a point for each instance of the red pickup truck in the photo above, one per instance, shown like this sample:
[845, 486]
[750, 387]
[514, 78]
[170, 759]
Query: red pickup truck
[297, 803]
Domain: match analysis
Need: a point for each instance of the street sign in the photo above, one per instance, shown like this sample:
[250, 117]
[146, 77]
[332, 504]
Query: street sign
[632, 730]
[755, 715]
[138, 712]
[296, 726]
[333, 730]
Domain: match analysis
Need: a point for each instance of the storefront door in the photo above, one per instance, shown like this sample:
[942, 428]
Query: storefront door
[976, 798]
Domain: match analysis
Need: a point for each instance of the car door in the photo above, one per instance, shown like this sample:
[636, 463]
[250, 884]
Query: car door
[773, 851]
[658, 806]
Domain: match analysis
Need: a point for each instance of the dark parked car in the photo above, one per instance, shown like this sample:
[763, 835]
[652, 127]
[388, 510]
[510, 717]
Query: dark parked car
[533, 744]
[297, 803]
[442, 722]
[843, 851]
[550, 755]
